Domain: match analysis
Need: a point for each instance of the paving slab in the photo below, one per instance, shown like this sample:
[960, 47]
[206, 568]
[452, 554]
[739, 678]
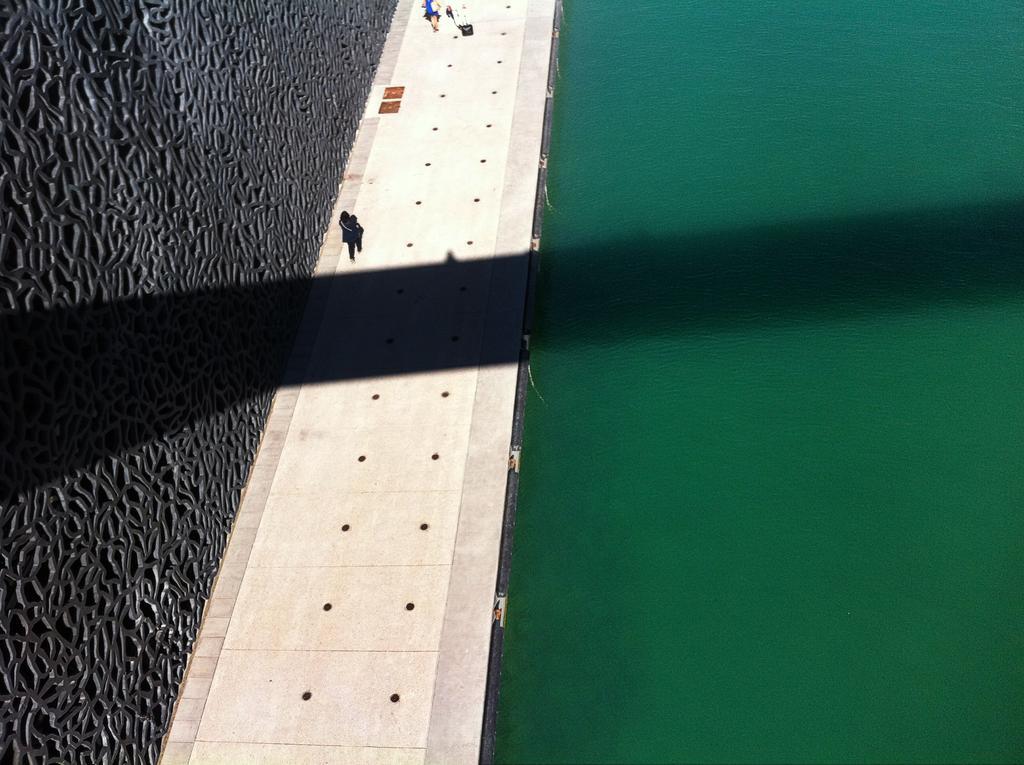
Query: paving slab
[338, 406]
[220, 753]
[386, 459]
[260, 697]
[341, 608]
[384, 528]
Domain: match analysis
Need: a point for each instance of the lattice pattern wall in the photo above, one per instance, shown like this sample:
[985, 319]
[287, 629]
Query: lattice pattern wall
[167, 168]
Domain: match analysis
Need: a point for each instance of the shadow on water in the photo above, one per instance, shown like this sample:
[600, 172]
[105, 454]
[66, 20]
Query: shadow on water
[122, 382]
[727, 281]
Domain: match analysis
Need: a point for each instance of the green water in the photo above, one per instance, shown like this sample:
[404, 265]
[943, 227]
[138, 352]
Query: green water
[772, 499]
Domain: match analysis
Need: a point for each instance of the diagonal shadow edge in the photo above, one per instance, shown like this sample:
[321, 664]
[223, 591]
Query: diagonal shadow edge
[122, 361]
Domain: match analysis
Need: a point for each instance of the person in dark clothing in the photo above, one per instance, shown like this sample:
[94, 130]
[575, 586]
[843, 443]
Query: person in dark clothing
[354, 221]
[351, 233]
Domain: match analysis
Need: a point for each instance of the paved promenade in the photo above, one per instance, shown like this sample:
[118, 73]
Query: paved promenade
[351, 619]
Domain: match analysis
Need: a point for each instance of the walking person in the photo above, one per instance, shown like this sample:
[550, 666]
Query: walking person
[351, 234]
[354, 221]
[460, 17]
[432, 12]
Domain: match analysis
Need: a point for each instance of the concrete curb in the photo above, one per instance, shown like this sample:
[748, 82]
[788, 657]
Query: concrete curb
[493, 691]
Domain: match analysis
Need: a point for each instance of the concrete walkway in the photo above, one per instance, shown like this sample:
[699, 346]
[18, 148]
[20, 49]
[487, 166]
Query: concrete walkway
[351, 619]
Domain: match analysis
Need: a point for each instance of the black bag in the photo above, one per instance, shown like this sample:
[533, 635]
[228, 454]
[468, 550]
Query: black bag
[467, 30]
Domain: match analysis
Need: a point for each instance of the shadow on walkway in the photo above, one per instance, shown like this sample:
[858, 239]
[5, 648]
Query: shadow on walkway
[81, 383]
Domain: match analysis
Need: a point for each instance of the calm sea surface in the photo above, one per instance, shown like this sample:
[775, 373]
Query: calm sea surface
[772, 501]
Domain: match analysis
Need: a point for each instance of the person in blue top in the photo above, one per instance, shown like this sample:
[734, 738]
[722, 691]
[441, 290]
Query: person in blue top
[432, 13]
